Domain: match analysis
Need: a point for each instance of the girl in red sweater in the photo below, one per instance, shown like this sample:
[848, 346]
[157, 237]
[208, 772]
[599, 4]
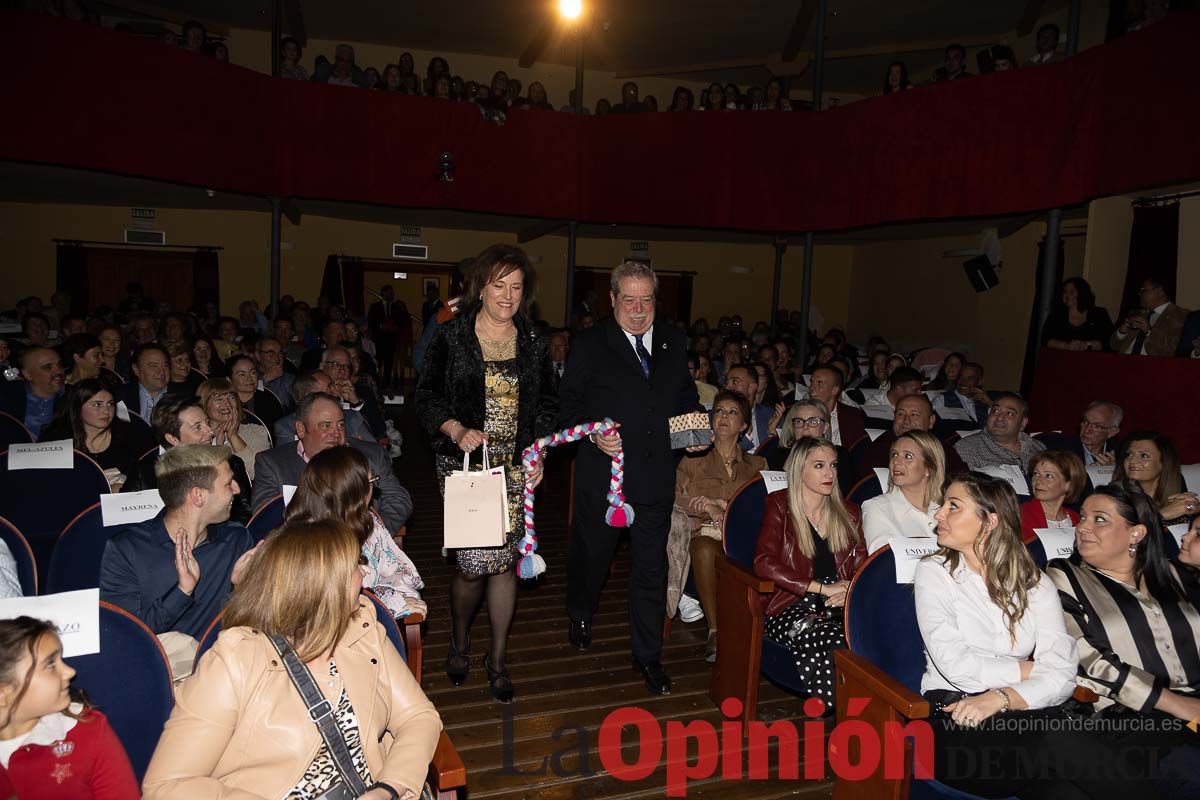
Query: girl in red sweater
[50, 747]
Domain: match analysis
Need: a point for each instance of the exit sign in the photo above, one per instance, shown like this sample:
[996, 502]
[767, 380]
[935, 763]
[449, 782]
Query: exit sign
[143, 218]
[639, 247]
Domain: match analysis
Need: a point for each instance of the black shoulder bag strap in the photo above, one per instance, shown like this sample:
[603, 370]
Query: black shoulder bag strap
[320, 711]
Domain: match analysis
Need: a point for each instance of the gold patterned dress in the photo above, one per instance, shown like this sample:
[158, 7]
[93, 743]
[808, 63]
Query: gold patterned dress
[502, 389]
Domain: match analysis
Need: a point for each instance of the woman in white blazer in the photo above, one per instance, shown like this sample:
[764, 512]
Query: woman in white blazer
[916, 469]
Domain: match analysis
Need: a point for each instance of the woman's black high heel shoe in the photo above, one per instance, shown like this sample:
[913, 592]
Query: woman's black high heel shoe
[458, 664]
[499, 683]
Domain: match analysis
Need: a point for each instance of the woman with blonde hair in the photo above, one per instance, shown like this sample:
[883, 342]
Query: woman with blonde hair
[916, 472]
[231, 426]
[810, 546]
[994, 636]
[337, 484]
[240, 726]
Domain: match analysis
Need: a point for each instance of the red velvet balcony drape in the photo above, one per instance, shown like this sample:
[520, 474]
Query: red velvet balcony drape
[1121, 117]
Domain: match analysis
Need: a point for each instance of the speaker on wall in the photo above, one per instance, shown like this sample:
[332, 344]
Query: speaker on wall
[981, 273]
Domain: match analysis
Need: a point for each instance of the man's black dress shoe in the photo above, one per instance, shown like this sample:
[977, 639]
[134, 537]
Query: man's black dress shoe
[657, 680]
[580, 635]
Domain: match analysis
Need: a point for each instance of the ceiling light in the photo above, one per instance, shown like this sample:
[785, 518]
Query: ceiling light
[570, 8]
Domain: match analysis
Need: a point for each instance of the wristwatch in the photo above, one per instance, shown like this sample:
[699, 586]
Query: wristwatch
[392, 793]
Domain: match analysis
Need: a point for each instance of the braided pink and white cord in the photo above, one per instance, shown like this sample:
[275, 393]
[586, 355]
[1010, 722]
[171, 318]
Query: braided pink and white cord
[619, 513]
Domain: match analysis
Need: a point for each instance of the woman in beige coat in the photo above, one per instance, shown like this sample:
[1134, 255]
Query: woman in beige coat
[240, 729]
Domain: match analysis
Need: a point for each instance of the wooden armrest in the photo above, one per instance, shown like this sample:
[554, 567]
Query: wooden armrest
[894, 694]
[1084, 695]
[747, 578]
[447, 770]
[414, 618]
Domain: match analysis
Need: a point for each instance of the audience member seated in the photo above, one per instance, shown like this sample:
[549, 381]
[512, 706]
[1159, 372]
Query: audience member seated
[947, 374]
[290, 66]
[48, 732]
[343, 71]
[181, 379]
[967, 394]
[810, 546]
[311, 382]
[876, 376]
[174, 571]
[955, 66]
[320, 424]
[36, 399]
[1189, 339]
[1003, 58]
[896, 79]
[742, 379]
[82, 352]
[1135, 622]
[1097, 439]
[1076, 322]
[231, 427]
[847, 424]
[1047, 46]
[1003, 439]
[111, 357]
[338, 485]
[243, 374]
[10, 583]
[1057, 480]
[1150, 460]
[204, 358]
[89, 419]
[809, 419]
[995, 640]
[630, 104]
[151, 371]
[1154, 328]
[337, 364]
[35, 330]
[917, 470]
[901, 383]
[300, 605]
[703, 486]
[182, 420]
[913, 413]
[706, 391]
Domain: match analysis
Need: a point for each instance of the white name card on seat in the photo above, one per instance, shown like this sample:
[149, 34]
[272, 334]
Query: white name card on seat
[1010, 473]
[1057, 542]
[874, 433]
[879, 411]
[75, 614]
[884, 475]
[908, 552]
[774, 479]
[42, 455]
[10, 327]
[129, 508]
[288, 493]
[1101, 474]
[122, 411]
[1178, 531]
[955, 414]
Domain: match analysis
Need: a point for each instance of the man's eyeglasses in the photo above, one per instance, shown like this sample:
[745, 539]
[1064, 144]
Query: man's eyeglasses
[1087, 424]
[811, 422]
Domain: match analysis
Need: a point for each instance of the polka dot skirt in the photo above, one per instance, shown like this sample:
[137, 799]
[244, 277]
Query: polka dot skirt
[811, 640]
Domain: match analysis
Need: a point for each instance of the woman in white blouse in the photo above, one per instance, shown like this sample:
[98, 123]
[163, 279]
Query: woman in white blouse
[995, 639]
[917, 470]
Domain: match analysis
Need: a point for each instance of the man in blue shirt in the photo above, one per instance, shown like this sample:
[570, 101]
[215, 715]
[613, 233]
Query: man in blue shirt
[33, 400]
[151, 371]
[175, 571]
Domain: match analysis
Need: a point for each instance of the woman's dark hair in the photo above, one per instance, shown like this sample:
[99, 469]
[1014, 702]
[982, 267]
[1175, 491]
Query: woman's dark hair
[337, 484]
[165, 418]
[1151, 562]
[1170, 480]
[232, 361]
[770, 390]
[285, 41]
[684, 92]
[84, 391]
[493, 264]
[1087, 298]
[904, 82]
[18, 638]
[727, 396]
[940, 381]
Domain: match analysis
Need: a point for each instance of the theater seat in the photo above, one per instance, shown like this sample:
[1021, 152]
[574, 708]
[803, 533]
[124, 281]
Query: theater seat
[75, 562]
[12, 431]
[867, 488]
[266, 519]
[130, 681]
[41, 502]
[22, 553]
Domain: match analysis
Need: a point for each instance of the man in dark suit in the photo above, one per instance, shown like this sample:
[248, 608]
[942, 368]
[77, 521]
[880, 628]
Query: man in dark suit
[634, 371]
[35, 400]
[1155, 327]
[1097, 439]
[311, 382]
[743, 379]
[847, 424]
[914, 412]
[151, 371]
[320, 425]
[385, 318]
[1189, 340]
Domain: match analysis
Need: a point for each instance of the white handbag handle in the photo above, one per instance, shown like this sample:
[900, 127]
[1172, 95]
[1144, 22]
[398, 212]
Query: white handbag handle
[467, 459]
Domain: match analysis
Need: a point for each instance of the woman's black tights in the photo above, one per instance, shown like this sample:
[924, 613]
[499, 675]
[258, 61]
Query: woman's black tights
[467, 594]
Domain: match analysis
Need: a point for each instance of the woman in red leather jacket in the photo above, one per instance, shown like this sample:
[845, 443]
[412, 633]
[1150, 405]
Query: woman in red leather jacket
[810, 545]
